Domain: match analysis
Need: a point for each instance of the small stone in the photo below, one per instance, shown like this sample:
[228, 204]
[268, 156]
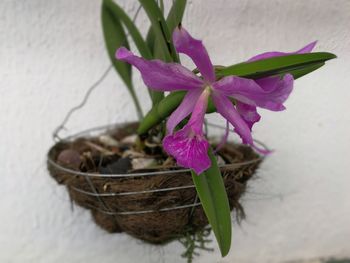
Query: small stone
[129, 139]
[132, 154]
[122, 166]
[108, 140]
[70, 159]
[141, 163]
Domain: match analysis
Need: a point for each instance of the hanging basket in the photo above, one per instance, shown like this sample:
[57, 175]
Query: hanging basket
[154, 204]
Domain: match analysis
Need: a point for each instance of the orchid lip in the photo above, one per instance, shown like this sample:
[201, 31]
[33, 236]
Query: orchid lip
[191, 134]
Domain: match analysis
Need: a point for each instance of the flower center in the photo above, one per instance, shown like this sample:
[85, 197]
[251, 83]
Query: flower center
[208, 88]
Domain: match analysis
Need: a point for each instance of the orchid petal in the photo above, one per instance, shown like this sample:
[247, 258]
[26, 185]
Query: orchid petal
[270, 94]
[278, 89]
[225, 108]
[188, 150]
[261, 150]
[308, 48]
[188, 145]
[159, 75]
[248, 113]
[183, 110]
[186, 44]
[197, 118]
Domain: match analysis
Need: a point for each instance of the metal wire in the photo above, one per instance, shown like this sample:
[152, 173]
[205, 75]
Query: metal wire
[143, 211]
[95, 193]
[176, 170]
[132, 193]
[179, 170]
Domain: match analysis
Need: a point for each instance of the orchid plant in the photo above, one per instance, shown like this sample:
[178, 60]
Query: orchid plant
[235, 92]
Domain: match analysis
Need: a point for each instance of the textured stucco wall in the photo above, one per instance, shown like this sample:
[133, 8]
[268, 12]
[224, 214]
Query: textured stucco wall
[50, 51]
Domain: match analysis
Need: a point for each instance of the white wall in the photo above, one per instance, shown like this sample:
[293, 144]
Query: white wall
[51, 51]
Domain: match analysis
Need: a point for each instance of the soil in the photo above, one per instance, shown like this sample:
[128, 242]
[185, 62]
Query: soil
[148, 214]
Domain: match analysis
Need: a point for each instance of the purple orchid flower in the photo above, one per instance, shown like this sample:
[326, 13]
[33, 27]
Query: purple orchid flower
[189, 145]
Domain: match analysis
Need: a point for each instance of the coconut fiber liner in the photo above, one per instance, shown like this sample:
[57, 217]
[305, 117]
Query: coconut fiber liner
[145, 207]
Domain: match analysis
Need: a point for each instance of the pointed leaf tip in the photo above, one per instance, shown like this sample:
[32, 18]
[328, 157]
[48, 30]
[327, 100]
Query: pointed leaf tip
[212, 193]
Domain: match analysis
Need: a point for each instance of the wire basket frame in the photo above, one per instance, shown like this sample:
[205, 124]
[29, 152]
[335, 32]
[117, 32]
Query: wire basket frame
[99, 196]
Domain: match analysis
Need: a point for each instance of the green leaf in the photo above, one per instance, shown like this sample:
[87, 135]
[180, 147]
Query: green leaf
[297, 65]
[160, 28]
[160, 111]
[298, 73]
[212, 193]
[176, 14]
[174, 18]
[132, 29]
[115, 37]
[150, 39]
[275, 65]
[137, 38]
[161, 6]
